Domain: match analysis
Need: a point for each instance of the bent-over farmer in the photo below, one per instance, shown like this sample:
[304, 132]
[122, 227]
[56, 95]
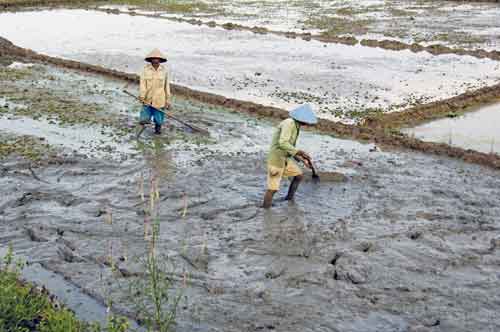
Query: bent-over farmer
[280, 162]
[154, 90]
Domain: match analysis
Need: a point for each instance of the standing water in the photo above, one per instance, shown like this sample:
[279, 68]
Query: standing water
[476, 130]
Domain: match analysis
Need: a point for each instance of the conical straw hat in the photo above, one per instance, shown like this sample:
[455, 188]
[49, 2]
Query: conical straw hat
[155, 54]
[305, 114]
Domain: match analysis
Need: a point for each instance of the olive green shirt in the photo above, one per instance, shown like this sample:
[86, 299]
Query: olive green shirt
[283, 144]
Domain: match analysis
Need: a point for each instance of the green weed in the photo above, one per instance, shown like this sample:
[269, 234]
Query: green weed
[24, 307]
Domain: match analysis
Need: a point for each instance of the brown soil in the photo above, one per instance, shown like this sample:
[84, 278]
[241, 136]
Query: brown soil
[371, 130]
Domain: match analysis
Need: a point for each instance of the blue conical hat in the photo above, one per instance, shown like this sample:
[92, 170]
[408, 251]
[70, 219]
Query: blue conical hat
[304, 114]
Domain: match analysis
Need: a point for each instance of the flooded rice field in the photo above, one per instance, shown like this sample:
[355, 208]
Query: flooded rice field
[424, 22]
[344, 82]
[400, 242]
[476, 130]
[388, 240]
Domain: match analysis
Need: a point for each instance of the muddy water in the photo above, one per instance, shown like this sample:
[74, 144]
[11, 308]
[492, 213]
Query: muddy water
[343, 81]
[476, 130]
[408, 21]
[82, 138]
[406, 242]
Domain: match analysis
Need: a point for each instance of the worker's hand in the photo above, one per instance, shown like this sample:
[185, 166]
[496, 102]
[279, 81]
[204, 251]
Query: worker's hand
[306, 161]
[303, 155]
[167, 105]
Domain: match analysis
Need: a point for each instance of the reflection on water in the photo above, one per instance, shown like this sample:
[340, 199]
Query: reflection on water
[157, 157]
[476, 130]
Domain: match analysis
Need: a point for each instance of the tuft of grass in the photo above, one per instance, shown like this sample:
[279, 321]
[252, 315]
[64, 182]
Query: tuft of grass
[155, 297]
[28, 147]
[14, 74]
[25, 307]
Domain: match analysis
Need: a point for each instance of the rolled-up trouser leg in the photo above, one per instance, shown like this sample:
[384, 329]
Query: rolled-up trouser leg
[158, 117]
[145, 115]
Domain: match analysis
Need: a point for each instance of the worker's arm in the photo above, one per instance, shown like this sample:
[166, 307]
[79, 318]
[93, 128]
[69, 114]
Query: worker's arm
[168, 94]
[142, 87]
[284, 140]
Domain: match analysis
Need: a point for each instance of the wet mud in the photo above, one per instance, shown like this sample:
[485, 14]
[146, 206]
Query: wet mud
[387, 241]
[406, 242]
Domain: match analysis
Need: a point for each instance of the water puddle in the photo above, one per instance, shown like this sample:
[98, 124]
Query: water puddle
[342, 81]
[85, 307]
[4, 103]
[86, 140]
[474, 130]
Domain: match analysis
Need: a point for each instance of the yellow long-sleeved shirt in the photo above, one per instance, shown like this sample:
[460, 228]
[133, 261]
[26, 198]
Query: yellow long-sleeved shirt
[283, 144]
[155, 86]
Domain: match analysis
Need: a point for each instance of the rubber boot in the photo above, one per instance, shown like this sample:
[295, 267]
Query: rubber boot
[157, 129]
[293, 187]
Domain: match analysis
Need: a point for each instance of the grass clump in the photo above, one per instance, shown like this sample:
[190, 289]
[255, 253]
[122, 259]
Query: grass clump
[25, 307]
[28, 147]
[155, 297]
[14, 74]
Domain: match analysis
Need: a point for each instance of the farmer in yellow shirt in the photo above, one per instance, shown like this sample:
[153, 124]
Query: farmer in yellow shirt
[154, 90]
[280, 162]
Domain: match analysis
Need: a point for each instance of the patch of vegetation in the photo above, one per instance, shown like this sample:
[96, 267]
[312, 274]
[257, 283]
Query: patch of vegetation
[27, 3]
[25, 307]
[346, 11]
[459, 37]
[155, 298]
[352, 11]
[397, 12]
[297, 96]
[16, 87]
[14, 74]
[174, 6]
[364, 113]
[28, 147]
[333, 26]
